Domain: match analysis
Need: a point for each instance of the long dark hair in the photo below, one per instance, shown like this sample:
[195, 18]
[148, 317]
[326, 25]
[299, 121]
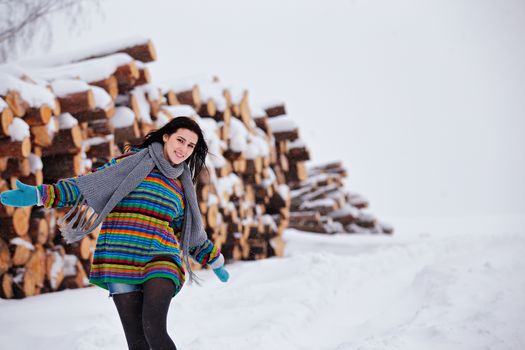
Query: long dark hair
[197, 160]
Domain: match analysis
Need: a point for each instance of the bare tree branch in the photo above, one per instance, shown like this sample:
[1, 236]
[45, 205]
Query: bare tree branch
[22, 20]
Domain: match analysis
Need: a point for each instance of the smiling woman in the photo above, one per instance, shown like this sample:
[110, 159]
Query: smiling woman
[180, 145]
[151, 224]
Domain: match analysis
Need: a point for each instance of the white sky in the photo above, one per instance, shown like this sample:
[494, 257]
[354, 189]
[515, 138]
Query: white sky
[422, 100]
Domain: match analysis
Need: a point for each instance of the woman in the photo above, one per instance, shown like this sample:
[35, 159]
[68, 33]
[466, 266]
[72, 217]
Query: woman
[146, 202]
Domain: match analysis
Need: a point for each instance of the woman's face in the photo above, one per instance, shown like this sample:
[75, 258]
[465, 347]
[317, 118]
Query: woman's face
[179, 145]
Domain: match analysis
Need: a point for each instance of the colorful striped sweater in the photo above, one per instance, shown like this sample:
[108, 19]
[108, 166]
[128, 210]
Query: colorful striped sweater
[139, 239]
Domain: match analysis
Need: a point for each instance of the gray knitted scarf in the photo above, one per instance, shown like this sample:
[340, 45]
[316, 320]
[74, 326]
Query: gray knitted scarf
[103, 189]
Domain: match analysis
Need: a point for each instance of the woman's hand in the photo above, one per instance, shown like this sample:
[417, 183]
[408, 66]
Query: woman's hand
[23, 196]
[222, 274]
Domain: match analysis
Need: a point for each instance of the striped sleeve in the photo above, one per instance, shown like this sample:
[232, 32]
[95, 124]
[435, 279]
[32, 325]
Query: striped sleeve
[62, 194]
[206, 253]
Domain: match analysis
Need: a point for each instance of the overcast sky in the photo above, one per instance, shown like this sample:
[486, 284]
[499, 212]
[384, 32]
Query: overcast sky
[423, 101]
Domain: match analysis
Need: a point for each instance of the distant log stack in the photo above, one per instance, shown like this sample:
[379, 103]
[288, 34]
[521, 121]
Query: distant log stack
[76, 113]
[321, 204]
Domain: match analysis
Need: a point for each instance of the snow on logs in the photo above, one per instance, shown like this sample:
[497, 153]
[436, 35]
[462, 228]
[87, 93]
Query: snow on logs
[321, 204]
[63, 116]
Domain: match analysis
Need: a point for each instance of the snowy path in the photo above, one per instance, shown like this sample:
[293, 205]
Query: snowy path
[329, 292]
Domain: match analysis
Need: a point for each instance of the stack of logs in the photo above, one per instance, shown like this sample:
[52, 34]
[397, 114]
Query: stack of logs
[319, 202]
[61, 121]
[66, 117]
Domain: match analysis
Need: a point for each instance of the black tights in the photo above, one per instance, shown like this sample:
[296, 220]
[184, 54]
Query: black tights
[144, 315]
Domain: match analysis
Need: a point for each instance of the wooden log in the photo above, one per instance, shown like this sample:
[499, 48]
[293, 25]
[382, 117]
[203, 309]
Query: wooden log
[258, 249]
[81, 249]
[38, 230]
[144, 52]
[366, 220]
[207, 109]
[126, 75]
[333, 168]
[61, 166]
[171, 98]
[15, 149]
[38, 116]
[74, 273]
[275, 111]
[3, 163]
[127, 134]
[110, 84]
[225, 170]
[77, 102]
[276, 246]
[5, 210]
[95, 114]
[6, 119]
[24, 283]
[254, 166]
[16, 103]
[6, 286]
[37, 265]
[43, 135]
[276, 203]
[144, 76]
[102, 150]
[223, 116]
[5, 257]
[16, 225]
[99, 128]
[323, 206]
[66, 141]
[239, 165]
[357, 200]
[305, 216]
[286, 135]
[211, 215]
[17, 167]
[189, 97]
[263, 124]
[20, 249]
[299, 154]
[55, 266]
[296, 172]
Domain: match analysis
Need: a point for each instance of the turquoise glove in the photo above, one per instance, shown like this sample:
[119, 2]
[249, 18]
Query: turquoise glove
[222, 274]
[23, 196]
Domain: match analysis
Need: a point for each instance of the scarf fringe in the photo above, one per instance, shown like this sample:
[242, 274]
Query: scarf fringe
[78, 222]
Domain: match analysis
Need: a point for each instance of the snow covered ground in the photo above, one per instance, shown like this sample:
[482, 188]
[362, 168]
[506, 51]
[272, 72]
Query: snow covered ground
[408, 291]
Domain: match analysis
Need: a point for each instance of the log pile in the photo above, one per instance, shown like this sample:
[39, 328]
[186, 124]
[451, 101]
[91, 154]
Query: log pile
[321, 204]
[64, 117]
